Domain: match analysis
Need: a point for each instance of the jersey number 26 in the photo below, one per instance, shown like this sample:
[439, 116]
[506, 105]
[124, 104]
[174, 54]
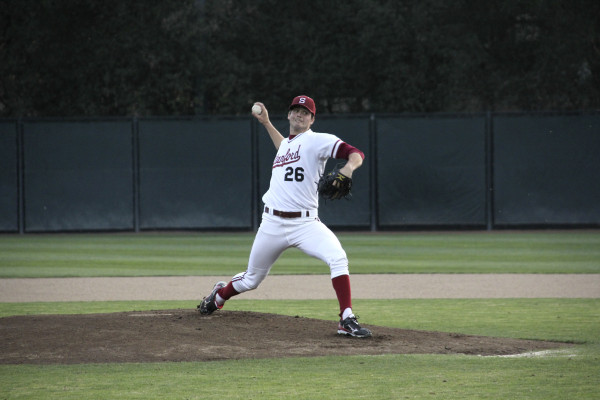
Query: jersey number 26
[292, 174]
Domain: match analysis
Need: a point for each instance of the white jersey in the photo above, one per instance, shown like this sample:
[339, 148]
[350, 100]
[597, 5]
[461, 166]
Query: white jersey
[298, 165]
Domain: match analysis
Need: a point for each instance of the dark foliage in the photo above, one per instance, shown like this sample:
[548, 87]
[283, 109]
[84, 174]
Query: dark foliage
[178, 57]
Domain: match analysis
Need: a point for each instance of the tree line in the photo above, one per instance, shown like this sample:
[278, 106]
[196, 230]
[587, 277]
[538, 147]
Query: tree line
[208, 57]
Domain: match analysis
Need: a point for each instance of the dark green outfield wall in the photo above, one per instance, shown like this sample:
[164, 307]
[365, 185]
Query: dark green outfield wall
[421, 172]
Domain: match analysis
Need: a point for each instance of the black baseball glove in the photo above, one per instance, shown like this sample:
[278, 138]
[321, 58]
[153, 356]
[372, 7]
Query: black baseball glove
[335, 185]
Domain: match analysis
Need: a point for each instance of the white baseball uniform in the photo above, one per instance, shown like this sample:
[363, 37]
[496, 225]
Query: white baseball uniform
[290, 217]
[297, 167]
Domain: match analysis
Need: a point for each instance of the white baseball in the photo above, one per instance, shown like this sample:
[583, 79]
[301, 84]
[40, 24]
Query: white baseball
[256, 109]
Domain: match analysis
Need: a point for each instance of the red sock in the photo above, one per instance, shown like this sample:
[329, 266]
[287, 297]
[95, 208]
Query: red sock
[227, 292]
[341, 284]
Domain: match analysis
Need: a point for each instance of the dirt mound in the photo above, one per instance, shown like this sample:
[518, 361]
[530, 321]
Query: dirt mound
[185, 335]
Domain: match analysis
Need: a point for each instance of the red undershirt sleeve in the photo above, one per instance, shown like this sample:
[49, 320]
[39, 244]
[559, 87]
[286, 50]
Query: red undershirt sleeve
[345, 150]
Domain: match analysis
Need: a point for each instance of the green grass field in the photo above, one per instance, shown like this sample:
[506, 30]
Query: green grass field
[65, 255]
[573, 373]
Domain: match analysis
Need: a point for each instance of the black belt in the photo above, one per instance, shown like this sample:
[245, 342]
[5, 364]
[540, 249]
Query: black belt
[286, 214]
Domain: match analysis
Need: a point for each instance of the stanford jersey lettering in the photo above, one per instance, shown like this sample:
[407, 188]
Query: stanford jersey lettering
[288, 158]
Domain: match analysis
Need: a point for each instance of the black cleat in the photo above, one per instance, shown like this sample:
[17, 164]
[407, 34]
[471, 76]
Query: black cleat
[350, 327]
[208, 305]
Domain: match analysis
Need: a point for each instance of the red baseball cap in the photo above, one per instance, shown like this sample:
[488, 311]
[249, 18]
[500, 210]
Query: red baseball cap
[304, 101]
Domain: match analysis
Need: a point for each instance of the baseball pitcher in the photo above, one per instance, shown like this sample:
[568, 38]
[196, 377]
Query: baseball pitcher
[290, 217]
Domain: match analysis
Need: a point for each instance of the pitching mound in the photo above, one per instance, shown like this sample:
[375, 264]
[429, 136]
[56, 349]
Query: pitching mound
[185, 335]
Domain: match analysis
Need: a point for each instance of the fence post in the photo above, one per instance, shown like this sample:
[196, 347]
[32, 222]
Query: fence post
[254, 165]
[135, 165]
[489, 171]
[20, 177]
[373, 173]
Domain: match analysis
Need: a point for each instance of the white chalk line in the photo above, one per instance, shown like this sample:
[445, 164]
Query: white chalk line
[568, 353]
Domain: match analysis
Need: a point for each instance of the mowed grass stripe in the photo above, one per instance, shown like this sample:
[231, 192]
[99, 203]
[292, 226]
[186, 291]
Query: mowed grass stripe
[179, 254]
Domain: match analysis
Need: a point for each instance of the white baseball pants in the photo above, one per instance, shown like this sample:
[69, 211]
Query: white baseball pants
[277, 234]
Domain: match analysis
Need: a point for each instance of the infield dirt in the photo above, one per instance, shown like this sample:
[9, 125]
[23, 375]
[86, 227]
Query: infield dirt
[185, 335]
